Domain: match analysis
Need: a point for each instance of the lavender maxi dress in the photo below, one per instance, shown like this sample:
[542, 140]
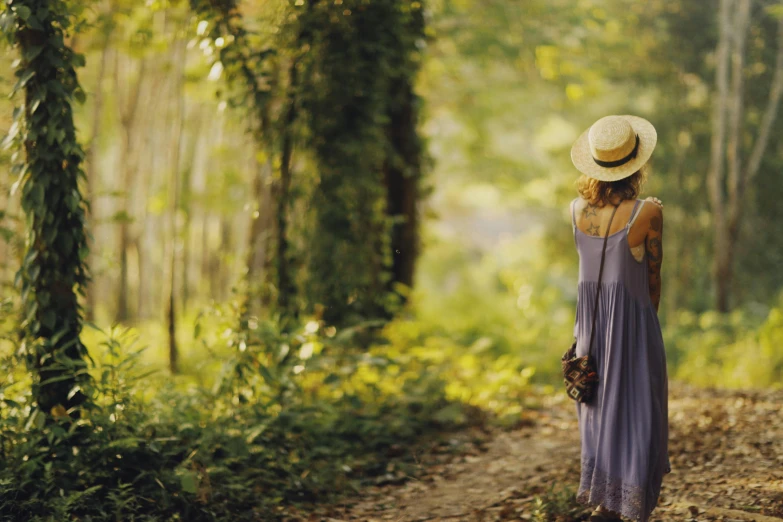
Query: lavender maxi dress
[624, 430]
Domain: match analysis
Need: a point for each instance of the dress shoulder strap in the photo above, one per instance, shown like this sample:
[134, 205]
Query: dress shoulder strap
[573, 212]
[573, 218]
[637, 209]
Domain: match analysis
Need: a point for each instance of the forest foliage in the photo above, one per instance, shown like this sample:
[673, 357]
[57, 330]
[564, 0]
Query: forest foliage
[324, 233]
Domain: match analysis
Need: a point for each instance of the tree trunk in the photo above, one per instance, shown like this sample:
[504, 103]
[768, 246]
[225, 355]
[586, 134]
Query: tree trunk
[185, 203]
[736, 207]
[92, 172]
[184, 206]
[222, 270]
[261, 223]
[174, 203]
[128, 118]
[728, 215]
[402, 173]
[284, 281]
[722, 264]
[206, 253]
[54, 271]
[725, 256]
[260, 256]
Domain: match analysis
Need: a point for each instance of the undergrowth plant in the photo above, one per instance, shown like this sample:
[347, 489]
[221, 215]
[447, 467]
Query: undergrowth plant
[558, 504]
[295, 417]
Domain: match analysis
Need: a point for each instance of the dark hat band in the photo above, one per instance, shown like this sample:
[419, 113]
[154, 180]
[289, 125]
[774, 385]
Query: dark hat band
[622, 161]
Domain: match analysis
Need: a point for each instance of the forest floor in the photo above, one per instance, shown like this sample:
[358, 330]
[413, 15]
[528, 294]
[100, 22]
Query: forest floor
[726, 451]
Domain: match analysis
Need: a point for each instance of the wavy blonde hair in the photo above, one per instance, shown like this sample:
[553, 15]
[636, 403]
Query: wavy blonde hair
[599, 192]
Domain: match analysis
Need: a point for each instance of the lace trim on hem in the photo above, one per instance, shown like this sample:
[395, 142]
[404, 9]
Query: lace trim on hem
[598, 488]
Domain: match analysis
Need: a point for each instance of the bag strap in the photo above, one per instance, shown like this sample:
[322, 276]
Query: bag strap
[600, 279]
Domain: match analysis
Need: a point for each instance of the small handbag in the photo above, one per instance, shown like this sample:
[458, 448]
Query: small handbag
[579, 373]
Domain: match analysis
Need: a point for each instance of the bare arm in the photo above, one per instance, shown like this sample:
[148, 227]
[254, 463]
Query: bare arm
[654, 247]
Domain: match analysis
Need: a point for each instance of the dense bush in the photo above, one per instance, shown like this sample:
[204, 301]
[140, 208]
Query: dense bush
[292, 418]
[741, 349]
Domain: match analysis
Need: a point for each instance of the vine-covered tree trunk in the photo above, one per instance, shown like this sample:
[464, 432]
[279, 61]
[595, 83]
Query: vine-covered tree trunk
[402, 176]
[285, 288]
[367, 154]
[54, 269]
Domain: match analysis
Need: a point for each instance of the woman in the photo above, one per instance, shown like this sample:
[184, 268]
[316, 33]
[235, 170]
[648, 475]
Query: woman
[624, 429]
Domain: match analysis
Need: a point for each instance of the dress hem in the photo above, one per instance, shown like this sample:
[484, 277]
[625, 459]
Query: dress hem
[598, 488]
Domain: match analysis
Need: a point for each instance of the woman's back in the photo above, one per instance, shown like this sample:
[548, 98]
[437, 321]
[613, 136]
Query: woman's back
[624, 431]
[624, 262]
[624, 428]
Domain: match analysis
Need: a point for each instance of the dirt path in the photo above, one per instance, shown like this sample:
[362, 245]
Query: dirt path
[726, 449]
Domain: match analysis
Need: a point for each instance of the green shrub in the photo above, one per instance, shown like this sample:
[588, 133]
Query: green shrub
[558, 504]
[292, 418]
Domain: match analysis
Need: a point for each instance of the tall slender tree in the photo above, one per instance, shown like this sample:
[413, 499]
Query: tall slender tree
[178, 55]
[249, 80]
[729, 177]
[54, 271]
[106, 27]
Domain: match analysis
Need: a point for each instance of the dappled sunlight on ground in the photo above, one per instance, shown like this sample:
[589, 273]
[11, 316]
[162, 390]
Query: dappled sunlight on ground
[726, 450]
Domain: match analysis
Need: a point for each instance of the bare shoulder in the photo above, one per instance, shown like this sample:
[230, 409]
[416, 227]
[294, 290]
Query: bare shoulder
[576, 206]
[651, 215]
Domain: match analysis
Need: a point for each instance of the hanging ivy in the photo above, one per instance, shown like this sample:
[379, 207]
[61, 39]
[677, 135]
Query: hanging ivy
[345, 99]
[359, 62]
[48, 161]
[249, 78]
[220, 22]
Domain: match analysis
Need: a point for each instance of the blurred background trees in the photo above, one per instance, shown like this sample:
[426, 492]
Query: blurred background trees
[360, 207]
[276, 154]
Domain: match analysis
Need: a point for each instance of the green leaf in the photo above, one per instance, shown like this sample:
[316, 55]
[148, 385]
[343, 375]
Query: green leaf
[42, 13]
[121, 217]
[59, 378]
[40, 419]
[254, 433]
[189, 481]
[76, 389]
[32, 52]
[23, 12]
[48, 319]
[93, 326]
[266, 375]
[24, 77]
[126, 442]
[7, 234]
[450, 414]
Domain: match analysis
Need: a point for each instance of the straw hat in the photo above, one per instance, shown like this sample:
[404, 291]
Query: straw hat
[614, 147]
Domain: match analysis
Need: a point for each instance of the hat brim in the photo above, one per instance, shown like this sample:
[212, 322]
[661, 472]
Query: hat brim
[583, 160]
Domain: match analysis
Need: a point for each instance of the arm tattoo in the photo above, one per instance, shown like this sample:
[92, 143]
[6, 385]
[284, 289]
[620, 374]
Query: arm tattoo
[654, 250]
